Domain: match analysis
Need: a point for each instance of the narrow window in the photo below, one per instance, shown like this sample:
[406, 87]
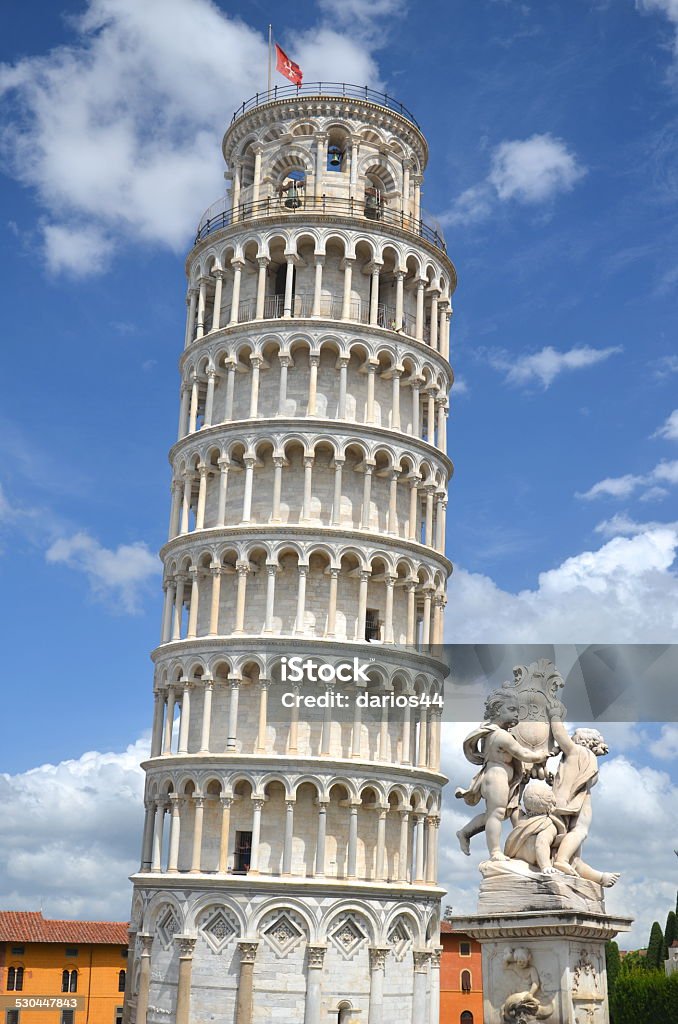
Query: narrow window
[372, 631]
[71, 951]
[118, 1015]
[67, 1016]
[12, 1017]
[18, 950]
[15, 979]
[464, 949]
[121, 981]
[69, 981]
[466, 981]
[466, 1017]
[243, 852]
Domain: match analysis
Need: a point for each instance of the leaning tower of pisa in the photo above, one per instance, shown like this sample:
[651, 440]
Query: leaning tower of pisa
[289, 855]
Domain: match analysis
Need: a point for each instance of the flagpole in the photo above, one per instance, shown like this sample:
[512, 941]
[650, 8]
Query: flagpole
[270, 53]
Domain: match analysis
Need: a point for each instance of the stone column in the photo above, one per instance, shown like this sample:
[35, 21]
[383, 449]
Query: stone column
[419, 321]
[245, 1000]
[352, 840]
[255, 363]
[388, 613]
[421, 960]
[423, 739]
[235, 193]
[206, 716]
[249, 461]
[400, 278]
[185, 394]
[235, 294]
[430, 850]
[262, 263]
[356, 731]
[202, 295]
[403, 859]
[372, 367]
[158, 829]
[346, 302]
[426, 624]
[257, 804]
[314, 362]
[316, 957]
[257, 149]
[263, 716]
[445, 336]
[418, 840]
[332, 609]
[285, 363]
[416, 181]
[175, 834]
[185, 718]
[293, 737]
[147, 839]
[196, 852]
[271, 571]
[428, 532]
[411, 590]
[336, 503]
[362, 603]
[318, 285]
[186, 503]
[301, 600]
[144, 977]
[203, 473]
[434, 987]
[175, 509]
[226, 802]
[191, 301]
[382, 751]
[395, 397]
[391, 526]
[289, 282]
[170, 592]
[375, 1014]
[320, 161]
[193, 607]
[406, 190]
[130, 972]
[169, 722]
[342, 364]
[224, 466]
[325, 734]
[218, 275]
[158, 716]
[367, 488]
[230, 390]
[215, 572]
[233, 714]
[193, 409]
[374, 294]
[434, 320]
[289, 836]
[414, 507]
[380, 872]
[278, 463]
[321, 840]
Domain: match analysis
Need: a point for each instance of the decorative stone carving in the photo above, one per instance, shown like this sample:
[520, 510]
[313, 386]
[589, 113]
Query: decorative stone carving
[421, 959]
[524, 1005]
[400, 938]
[185, 945]
[348, 937]
[283, 934]
[167, 927]
[218, 929]
[248, 951]
[378, 956]
[316, 956]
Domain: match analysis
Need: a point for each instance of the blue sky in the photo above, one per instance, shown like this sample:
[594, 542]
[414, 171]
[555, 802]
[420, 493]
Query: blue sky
[552, 129]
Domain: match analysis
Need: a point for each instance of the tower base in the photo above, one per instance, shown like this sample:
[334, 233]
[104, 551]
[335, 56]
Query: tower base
[544, 965]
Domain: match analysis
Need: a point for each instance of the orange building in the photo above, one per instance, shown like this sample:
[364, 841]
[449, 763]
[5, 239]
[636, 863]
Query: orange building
[461, 978]
[61, 972]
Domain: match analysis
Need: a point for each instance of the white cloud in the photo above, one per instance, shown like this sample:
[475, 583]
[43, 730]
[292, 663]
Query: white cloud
[666, 747]
[529, 171]
[119, 575]
[118, 133]
[627, 589]
[533, 170]
[544, 366]
[669, 429]
[72, 834]
[627, 792]
[667, 7]
[625, 486]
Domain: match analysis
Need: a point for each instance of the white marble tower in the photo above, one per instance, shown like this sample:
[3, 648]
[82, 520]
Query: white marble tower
[289, 861]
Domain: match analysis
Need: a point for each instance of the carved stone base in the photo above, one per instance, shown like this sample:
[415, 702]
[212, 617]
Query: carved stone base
[544, 966]
[516, 887]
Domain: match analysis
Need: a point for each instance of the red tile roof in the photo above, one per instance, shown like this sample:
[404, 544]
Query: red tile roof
[31, 926]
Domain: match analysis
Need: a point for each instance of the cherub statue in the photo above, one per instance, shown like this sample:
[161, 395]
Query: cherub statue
[576, 776]
[524, 1006]
[498, 781]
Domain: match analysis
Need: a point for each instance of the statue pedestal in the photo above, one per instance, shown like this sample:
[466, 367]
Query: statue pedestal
[565, 961]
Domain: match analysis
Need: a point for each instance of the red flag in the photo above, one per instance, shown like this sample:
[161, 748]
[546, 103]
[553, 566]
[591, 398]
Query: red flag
[287, 67]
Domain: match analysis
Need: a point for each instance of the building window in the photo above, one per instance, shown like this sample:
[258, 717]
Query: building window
[372, 631]
[466, 1017]
[12, 1017]
[124, 953]
[71, 951]
[15, 979]
[121, 981]
[18, 950]
[67, 1016]
[69, 981]
[118, 1015]
[243, 852]
[464, 949]
[466, 981]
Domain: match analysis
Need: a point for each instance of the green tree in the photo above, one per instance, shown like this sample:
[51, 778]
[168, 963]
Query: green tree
[655, 948]
[613, 963]
[642, 997]
[671, 930]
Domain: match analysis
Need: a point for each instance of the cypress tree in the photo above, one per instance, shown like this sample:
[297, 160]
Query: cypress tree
[655, 948]
[613, 963]
[671, 930]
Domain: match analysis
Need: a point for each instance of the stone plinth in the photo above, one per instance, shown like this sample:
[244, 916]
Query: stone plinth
[544, 965]
[516, 887]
